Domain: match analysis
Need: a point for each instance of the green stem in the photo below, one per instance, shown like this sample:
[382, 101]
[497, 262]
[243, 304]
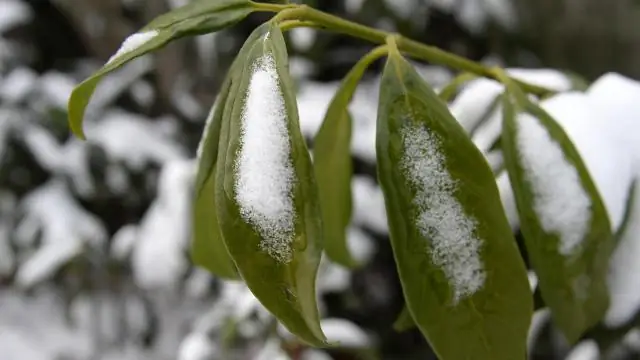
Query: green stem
[292, 24]
[410, 47]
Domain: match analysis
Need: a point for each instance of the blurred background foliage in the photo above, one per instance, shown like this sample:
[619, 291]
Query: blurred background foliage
[94, 235]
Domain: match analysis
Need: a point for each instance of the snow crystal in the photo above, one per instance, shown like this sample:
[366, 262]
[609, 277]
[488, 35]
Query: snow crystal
[561, 203]
[453, 244]
[623, 280]
[133, 42]
[265, 177]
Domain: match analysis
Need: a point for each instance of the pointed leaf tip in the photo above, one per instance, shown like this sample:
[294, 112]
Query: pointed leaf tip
[197, 17]
[563, 219]
[462, 276]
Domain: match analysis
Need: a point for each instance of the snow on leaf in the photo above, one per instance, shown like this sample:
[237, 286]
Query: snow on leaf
[454, 247]
[265, 176]
[560, 201]
[623, 280]
[345, 333]
[609, 165]
[133, 42]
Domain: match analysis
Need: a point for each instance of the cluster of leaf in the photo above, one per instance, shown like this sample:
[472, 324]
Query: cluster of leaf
[487, 306]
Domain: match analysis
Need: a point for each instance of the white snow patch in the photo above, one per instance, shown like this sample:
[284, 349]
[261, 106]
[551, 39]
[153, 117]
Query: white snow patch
[123, 242]
[158, 259]
[18, 84]
[197, 346]
[134, 140]
[539, 319]
[133, 42]
[368, 205]
[303, 38]
[560, 201]
[615, 97]
[609, 165]
[264, 172]
[360, 244]
[489, 132]
[473, 101]
[623, 280]
[66, 229]
[56, 88]
[353, 6]
[13, 13]
[346, 333]
[585, 350]
[508, 200]
[313, 102]
[454, 247]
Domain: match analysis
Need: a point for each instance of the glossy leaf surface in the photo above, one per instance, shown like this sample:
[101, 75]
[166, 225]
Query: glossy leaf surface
[197, 17]
[572, 280]
[463, 279]
[278, 263]
[333, 165]
[208, 249]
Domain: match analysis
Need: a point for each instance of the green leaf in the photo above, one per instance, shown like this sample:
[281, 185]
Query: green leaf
[208, 249]
[404, 321]
[462, 276]
[333, 166]
[198, 17]
[568, 237]
[333, 169]
[274, 233]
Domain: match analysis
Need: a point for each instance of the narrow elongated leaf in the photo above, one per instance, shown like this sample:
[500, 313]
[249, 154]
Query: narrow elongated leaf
[197, 17]
[208, 249]
[463, 279]
[563, 220]
[266, 194]
[333, 166]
